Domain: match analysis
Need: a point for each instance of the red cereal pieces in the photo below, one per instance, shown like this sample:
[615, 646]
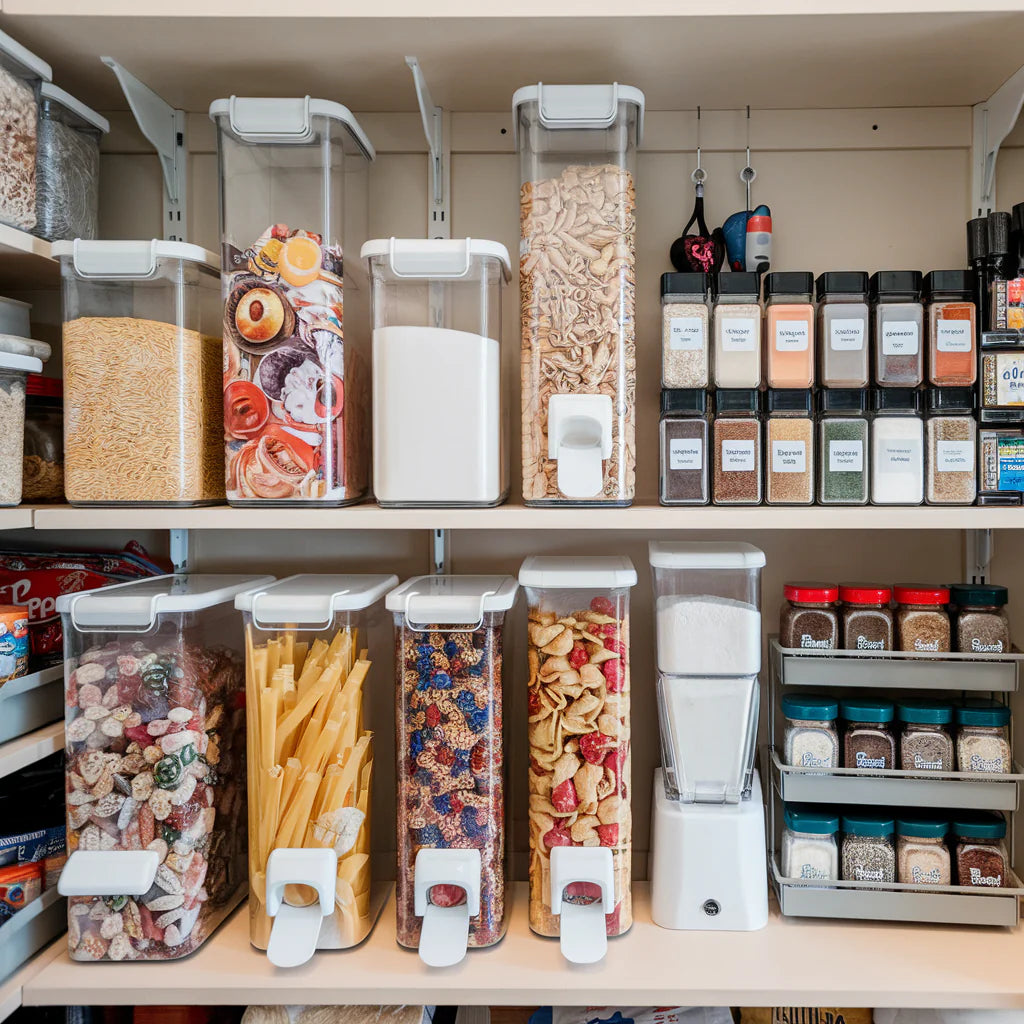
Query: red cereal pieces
[603, 605]
[564, 797]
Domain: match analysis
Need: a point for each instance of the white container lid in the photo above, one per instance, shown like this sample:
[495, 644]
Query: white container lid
[137, 604]
[129, 259]
[435, 257]
[22, 61]
[561, 107]
[705, 554]
[452, 600]
[49, 91]
[23, 364]
[313, 598]
[285, 120]
[13, 344]
[563, 572]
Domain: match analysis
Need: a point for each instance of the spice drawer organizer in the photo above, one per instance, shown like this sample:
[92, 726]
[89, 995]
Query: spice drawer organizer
[31, 701]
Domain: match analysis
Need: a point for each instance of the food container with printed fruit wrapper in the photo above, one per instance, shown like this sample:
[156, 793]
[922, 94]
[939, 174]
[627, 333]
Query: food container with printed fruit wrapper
[449, 737]
[155, 757]
[577, 148]
[579, 736]
[310, 763]
[293, 178]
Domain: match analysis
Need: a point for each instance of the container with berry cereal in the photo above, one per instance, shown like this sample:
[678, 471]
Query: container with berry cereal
[155, 756]
[579, 737]
[450, 890]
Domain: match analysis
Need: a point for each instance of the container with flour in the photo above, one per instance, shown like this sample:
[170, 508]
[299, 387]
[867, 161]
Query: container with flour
[438, 432]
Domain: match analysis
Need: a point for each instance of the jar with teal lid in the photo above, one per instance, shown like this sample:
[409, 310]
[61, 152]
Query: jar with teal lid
[809, 848]
[926, 744]
[868, 851]
[921, 853]
[983, 737]
[868, 740]
[980, 624]
[981, 856]
[811, 739]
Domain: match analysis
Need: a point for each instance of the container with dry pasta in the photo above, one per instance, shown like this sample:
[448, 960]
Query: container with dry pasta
[310, 763]
[142, 373]
[577, 146]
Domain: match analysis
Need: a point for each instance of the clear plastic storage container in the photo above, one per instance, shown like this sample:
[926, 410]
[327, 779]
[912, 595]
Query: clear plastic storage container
[844, 334]
[142, 373]
[68, 166]
[42, 477]
[983, 737]
[438, 423]
[981, 856]
[809, 848]
[306, 644]
[897, 328]
[577, 149]
[952, 355]
[685, 323]
[736, 356]
[579, 738]
[449, 735]
[897, 448]
[155, 754]
[293, 179]
[13, 371]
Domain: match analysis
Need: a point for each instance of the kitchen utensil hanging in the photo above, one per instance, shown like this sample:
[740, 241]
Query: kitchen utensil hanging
[748, 234]
[704, 250]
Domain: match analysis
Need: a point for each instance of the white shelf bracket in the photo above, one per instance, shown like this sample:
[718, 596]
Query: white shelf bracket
[440, 552]
[992, 120]
[435, 127]
[164, 127]
[977, 555]
[179, 550]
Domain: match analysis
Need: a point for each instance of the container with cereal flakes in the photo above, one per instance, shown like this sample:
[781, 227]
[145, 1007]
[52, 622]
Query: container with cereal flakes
[155, 756]
[449, 739]
[579, 735]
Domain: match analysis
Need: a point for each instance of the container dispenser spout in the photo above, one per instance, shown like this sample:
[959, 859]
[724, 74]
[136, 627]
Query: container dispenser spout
[296, 930]
[444, 937]
[583, 936]
[109, 873]
[579, 439]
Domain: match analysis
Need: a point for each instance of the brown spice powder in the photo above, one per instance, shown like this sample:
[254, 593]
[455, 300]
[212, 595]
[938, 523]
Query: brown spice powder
[790, 463]
[925, 751]
[737, 476]
[922, 630]
[867, 629]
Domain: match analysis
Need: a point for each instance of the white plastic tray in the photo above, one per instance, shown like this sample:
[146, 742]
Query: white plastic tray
[30, 702]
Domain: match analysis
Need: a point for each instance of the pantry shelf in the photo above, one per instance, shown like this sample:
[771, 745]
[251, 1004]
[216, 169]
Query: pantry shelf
[14, 518]
[11, 988]
[26, 750]
[25, 262]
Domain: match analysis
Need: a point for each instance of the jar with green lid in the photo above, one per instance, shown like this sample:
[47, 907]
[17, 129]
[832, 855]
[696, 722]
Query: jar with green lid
[980, 625]
[868, 851]
[925, 744]
[811, 739]
[809, 848]
[983, 737]
[981, 856]
[868, 740]
[921, 853]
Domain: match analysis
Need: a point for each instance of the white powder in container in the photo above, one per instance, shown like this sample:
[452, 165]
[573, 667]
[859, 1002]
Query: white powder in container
[708, 636]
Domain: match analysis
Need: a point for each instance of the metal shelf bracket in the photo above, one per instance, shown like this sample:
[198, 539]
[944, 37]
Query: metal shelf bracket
[977, 555]
[992, 120]
[440, 552]
[436, 129]
[180, 550]
[164, 127]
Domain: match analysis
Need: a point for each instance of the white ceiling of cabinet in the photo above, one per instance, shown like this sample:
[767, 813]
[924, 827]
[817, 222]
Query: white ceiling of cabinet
[475, 64]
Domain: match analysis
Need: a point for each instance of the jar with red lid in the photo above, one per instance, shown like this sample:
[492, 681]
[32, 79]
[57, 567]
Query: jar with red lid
[810, 618]
[42, 477]
[922, 622]
[866, 617]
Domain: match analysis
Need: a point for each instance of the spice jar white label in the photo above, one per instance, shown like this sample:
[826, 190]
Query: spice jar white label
[954, 456]
[791, 336]
[686, 334]
[900, 338]
[739, 334]
[846, 456]
[954, 336]
[738, 457]
[686, 453]
[899, 455]
[1010, 384]
[789, 457]
[846, 335]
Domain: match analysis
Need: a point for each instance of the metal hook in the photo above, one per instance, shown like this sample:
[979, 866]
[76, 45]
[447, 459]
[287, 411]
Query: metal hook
[748, 174]
[699, 175]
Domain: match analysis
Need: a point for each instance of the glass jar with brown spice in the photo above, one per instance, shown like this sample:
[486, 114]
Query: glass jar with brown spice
[981, 623]
[868, 741]
[809, 617]
[867, 617]
[981, 857]
[922, 623]
[925, 744]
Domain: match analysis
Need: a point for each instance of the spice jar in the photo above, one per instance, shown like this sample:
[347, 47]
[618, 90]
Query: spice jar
[981, 626]
[868, 852]
[684, 447]
[1001, 390]
[809, 847]
[950, 457]
[736, 432]
[922, 623]
[809, 617]
[868, 740]
[897, 447]
[685, 317]
[736, 360]
[1000, 466]
[842, 447]
[983, 737]
[981, 855]
[867, 623]
[789, 329]
[790, 448]
[42, 476]
[951, 328]
[896, 328]
[811, 740]
[925, 743]
[843, 330]
[921, 851]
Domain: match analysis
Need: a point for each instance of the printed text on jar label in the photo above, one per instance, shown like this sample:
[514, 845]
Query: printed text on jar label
[900, 338]
[899, 456]
[686, 333]
[686, 453]
[846, 335]
[791, 336]
[954, 457]
[789, 457]
[739, 335]
[738, 457]
[954, 336]
[846, 456]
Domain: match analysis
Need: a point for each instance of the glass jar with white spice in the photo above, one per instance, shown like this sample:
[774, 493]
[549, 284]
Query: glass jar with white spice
[897, 448]
[736, 361]
[983, 737]
[809, 848]
[811, 739]
[685, 318]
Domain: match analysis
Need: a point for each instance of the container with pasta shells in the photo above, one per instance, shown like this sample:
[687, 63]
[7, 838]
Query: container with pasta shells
[577, 213]
[142, 373]
[579, 734]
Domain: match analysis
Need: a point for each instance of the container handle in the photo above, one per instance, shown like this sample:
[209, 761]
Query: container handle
[466, 612]
[270, 120]
[454, 261]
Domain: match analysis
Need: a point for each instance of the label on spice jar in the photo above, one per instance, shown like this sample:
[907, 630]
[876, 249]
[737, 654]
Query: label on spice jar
[954, 335]
[686, 453]
[983, 764]
[846, 456]
[686, 333]
[791, 336]
[739, 334]
[900, 338]
[789, 457]
[925, 645]
[932, 875]
[924, 763]
[977, 647]
[899, 455]
[954, 457]
[738, 457]
[846, 335]
[863, 761]
[810, 871]
[808, 641]
[977, 878]
[867, 875]
[864, 644]
[1010, 378]
[808, 760]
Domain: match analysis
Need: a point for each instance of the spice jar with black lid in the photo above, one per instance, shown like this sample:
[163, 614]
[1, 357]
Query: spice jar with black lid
[868, 851]
[867, 623]
[951, 435]
[983, 737]
[810, 619]
[981, 856]
[981, 626]
[925, 744]
[685, 319]
[810, 740]
[843, 332]
[897, 447]
[789, 444]
[868, 740]
[789, 329]
[897, 327]
[684, 447]
[737, 433]
[922, 856]
[843, 447]
[736, 317]
[952, 356]
[922, 623]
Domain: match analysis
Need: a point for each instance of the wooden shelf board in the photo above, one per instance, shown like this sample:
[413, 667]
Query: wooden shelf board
[25, 750]
[25, 261]
[19, 518]
[12, 986]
